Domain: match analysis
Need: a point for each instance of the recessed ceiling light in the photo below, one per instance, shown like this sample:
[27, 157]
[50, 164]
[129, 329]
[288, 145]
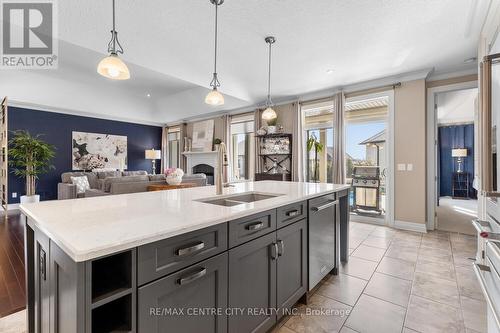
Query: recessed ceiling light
[329, 71]
[470, 60]
[148, 95]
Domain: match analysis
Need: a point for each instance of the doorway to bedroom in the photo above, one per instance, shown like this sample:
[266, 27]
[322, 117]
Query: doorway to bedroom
[456, 167]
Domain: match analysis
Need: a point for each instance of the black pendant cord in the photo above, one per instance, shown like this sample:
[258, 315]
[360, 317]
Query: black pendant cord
[215, 81]
[114, 42]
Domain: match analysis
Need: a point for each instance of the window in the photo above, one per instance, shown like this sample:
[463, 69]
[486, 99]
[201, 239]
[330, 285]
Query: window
[243, 147]
[318, 125]
[173, 137]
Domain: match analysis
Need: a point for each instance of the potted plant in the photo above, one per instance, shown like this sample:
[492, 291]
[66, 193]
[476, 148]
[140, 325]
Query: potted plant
[271, 125]
[29, 157]
[313, 143]
[217, 142]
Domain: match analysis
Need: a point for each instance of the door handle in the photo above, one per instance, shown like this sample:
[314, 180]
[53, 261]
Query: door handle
[255, 226]
[274, 251]
[482, 283]
[42, 264]
[325, 206]
[191, 249]
[185, 280]
[281, 248]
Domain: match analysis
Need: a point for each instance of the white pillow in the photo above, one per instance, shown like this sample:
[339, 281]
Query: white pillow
[82, 183]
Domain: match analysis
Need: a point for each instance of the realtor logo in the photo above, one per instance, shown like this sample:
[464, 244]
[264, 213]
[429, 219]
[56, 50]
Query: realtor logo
[28, 35]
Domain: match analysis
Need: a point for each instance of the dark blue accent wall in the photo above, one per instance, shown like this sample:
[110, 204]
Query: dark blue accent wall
[450, 137]
[57, 128]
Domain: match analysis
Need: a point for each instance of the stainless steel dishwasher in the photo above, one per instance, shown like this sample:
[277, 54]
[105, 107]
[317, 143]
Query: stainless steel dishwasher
[323, 233]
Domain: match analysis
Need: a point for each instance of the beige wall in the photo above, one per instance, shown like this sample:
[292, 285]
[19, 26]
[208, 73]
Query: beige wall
[409, 148]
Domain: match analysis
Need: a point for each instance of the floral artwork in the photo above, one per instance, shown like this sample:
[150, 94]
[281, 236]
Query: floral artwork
[99, 151]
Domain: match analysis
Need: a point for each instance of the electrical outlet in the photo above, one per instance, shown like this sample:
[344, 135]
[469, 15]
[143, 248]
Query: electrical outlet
[14, 194]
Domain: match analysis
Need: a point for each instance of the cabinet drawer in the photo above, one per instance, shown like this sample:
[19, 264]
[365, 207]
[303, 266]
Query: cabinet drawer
[250, 227]
[202, 286]
[291, 213]
[166, 256]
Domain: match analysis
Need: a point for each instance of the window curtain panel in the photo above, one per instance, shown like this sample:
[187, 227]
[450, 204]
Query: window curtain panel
[227, 119]
[164, 149]
[338, 169]
[182, 139]
[298, 147]
[258, 125]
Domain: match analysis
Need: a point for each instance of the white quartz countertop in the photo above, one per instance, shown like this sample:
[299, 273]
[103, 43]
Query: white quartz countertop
[93, 227]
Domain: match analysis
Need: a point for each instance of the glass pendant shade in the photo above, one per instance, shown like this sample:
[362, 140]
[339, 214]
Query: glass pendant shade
[214, 98]
[269, 114]
[114, 68]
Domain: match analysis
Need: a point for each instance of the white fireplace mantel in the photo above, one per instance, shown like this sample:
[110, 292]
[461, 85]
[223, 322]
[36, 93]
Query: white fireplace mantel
[194, 158]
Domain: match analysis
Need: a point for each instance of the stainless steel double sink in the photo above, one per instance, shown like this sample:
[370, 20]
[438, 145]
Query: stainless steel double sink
[239, 199]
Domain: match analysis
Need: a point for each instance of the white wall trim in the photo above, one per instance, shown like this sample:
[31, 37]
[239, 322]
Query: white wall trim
[73, 112]
[431, 149]
[436, 76]
[410, 226]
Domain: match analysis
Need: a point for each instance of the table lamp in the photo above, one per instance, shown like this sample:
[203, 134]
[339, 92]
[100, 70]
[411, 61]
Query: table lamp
[459, 153]
[153, 155]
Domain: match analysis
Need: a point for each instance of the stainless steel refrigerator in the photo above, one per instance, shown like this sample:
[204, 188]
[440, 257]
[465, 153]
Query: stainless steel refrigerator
[487, 264]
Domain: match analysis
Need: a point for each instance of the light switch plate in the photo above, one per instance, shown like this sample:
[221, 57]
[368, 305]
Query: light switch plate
[14, 194]
[401, 167]
[409, 167]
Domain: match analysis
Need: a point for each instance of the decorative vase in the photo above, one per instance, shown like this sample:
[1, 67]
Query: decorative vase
[174, 180]
[271, 129]
[30, 198]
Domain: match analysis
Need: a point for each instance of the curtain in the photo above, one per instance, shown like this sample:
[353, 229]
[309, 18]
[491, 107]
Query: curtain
[257, 124]
[298, 145]
[338, 169]
[227, 119]
[164, 149]
[182, 139]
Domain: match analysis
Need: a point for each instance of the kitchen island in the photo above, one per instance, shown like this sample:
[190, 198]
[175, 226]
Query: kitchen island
[181, 260]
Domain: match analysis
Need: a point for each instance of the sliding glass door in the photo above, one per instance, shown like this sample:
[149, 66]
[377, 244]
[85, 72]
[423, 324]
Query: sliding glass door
[367, 157]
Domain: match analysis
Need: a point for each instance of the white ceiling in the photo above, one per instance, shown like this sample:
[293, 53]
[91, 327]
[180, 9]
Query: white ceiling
[456, 107]
[169, 49]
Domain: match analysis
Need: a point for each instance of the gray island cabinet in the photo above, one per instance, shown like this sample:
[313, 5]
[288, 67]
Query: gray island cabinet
[239, 275]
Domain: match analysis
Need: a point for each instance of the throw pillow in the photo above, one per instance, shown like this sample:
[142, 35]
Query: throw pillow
[82, 183]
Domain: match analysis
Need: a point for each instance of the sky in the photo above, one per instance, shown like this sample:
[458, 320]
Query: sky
[356, 133]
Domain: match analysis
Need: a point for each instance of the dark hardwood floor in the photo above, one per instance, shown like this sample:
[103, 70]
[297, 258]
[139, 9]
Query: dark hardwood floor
[12, 285]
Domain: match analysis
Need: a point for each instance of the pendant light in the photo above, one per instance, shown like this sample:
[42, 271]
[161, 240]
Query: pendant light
[269, 113]
[215, 98]
[112, 66]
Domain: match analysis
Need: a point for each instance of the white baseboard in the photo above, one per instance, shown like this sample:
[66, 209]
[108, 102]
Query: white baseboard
[12, 209]
[410, 226]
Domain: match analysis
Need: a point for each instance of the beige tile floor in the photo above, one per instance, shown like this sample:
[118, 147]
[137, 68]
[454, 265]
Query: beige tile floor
[395, 281]
[399, 281]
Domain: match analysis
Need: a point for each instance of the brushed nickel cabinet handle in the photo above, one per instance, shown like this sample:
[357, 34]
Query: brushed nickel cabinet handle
[255, 226]
[191, 249]
[274, 251]
[184, 280]
[292, 213]
[281, 248]
[325, 206]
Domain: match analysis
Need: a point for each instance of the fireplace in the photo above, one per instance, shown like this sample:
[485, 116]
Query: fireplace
[207, 170]
[201, 162]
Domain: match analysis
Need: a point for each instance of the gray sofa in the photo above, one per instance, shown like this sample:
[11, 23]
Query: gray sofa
[116, 182]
